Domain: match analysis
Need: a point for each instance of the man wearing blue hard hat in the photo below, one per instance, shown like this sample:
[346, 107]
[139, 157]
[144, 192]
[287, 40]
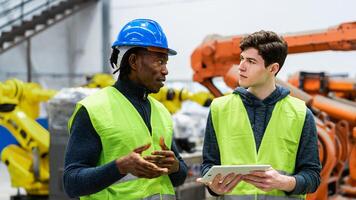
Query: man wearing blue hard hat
[121, 144]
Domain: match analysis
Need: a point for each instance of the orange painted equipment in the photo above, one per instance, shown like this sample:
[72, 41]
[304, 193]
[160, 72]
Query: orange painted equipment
[321, 83]
[216, 55]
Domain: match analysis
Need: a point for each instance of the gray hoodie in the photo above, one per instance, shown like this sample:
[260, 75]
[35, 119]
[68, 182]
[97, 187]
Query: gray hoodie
[308, 167]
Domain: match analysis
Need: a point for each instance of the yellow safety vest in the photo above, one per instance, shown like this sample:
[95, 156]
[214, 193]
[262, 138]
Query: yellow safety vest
[278, 148]
[121, 130]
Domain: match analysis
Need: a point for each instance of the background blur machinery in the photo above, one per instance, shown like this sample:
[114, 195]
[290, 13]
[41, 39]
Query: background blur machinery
[27, 162]
[173, 98]
[336, 86]
[217, 54]
[186, 125]
[99, 80]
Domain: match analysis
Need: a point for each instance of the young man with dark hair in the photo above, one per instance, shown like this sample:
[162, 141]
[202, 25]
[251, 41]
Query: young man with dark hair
[260, 123]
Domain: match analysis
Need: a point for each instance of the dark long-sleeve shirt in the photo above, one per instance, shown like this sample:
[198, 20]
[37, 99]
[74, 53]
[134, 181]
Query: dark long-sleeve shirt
[81, 175]
[307, 169]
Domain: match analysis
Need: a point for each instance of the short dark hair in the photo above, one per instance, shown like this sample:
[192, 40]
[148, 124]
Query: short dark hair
[270, 46]
[124, 66]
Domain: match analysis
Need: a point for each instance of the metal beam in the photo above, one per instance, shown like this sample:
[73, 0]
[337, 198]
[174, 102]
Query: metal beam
[106, 41]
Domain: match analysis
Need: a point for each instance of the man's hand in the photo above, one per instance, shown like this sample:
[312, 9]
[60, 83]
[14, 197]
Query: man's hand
[270, 179]
[222, 185]
[137, 166]
[164, 158]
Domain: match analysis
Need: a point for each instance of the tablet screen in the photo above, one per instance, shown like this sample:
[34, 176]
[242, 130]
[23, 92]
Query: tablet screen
[227, 169]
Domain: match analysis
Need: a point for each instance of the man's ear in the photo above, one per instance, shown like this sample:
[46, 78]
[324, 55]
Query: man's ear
[133, 60]
[274, 68]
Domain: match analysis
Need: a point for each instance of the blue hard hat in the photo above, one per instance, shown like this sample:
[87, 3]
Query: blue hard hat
[143, 33]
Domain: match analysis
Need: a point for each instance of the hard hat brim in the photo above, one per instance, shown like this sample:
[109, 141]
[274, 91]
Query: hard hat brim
[172, 52]
[162, 50]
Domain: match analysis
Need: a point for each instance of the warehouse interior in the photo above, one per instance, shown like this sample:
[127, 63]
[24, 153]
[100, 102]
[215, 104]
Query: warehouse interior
[54, 53]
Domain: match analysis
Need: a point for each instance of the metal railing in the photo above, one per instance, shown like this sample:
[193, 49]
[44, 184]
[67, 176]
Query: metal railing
[21, 10]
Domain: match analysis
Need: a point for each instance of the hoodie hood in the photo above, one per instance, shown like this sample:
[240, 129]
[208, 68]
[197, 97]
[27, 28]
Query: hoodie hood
[251, 100]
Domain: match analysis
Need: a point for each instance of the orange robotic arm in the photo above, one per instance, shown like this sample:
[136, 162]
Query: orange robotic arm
[322, 83]
[216, 55]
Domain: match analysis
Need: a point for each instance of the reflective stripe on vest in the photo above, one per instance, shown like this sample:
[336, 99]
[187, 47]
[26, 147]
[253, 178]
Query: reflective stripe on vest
[279, 144]
[128, 177]
[257, 197]
[121, 129]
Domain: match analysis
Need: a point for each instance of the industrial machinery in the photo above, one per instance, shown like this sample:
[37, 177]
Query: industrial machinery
[339, 86]
[99, 80]
[27, 162]
[336, 119]
[172, 98]
[217, 54]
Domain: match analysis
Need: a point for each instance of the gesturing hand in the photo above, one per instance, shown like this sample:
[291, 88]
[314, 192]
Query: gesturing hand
[222, 185]
[133, 163]
[164, 158]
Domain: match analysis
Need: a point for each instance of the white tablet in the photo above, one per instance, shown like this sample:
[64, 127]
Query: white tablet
[227, 169]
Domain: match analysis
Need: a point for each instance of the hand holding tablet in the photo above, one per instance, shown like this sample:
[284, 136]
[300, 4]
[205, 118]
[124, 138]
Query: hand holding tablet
[227, 169]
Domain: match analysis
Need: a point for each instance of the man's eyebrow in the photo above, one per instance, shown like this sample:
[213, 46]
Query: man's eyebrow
[248, 58]
[254, 59]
